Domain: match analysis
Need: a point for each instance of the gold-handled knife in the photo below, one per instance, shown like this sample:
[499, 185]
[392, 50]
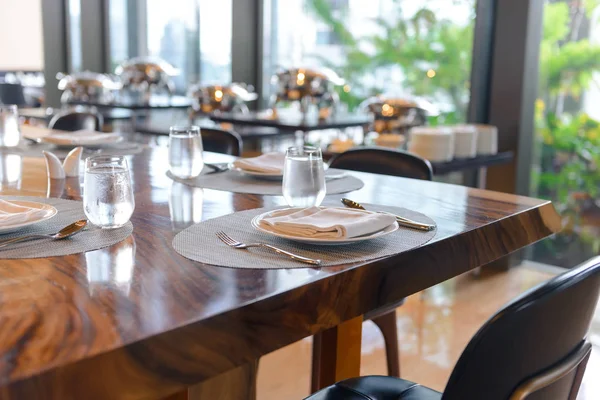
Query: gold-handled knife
[408, 223]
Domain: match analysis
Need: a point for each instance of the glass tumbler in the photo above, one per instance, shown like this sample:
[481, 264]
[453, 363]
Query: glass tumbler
[185, 152]
[303, 177]
[10, 134]
[107, 193]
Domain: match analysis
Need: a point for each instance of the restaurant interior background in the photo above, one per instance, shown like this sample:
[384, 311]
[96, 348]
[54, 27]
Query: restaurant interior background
[530, 67]
[211, 42]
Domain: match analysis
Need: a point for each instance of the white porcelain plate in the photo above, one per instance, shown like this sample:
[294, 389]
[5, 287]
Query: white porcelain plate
[50, 212]
[259, 175]
[323, 242]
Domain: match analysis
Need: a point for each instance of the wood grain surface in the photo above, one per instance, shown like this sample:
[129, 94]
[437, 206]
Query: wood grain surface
[138, 321]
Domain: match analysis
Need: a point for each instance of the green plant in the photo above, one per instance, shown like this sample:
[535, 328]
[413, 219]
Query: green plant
[418, 44]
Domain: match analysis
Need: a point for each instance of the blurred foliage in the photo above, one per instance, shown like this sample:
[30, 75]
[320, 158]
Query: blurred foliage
[568, 139]
[423, 41]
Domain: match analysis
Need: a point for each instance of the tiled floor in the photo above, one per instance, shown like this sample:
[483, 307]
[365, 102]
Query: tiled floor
[434, 327]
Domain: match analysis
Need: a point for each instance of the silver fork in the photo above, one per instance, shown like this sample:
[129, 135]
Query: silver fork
[229, 241]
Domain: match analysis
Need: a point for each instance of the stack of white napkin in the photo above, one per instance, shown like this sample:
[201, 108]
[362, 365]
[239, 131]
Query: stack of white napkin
[11, 213]
[268, 163]
[327, 223]
[487, 139]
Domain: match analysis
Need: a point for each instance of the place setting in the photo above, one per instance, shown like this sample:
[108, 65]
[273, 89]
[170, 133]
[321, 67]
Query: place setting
[33, 227]
[306, 233]
[262, 175]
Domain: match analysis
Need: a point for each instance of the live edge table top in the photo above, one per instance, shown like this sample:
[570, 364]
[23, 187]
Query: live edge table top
[157, 322]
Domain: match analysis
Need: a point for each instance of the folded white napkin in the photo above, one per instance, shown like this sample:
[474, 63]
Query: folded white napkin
[327, 222]
[11, 213]
[270, 163]
[82, 137]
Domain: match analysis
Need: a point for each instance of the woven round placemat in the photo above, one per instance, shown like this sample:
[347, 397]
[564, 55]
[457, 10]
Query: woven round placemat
[69, 211]
[200, 243]
[236, 182]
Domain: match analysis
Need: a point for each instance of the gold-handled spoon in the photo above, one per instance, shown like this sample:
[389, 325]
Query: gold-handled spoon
[64, 233]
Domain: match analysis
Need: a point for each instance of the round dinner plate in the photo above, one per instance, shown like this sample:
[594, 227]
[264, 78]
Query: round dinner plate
[63, 141]
[50, 212]
[260, 175]
[326, 242]
[279, 177]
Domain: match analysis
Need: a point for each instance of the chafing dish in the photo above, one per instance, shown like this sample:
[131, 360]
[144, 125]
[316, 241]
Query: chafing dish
[396, 114]
[87, 86]
[307, 86]
[220, 98]
[142, 76]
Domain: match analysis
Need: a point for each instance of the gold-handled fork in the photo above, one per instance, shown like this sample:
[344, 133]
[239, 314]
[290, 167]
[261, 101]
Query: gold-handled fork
[229, 241]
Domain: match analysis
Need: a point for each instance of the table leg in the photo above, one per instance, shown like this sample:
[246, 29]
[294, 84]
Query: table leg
[237, 384]
[340, 352]
[481, 178]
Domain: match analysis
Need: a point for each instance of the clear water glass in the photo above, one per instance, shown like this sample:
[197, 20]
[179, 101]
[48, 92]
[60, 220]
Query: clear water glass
[107, 193]
[185, 152]
[303, 177]
[10, 134]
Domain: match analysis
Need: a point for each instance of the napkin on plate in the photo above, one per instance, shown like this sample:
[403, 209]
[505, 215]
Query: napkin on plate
[83, 137]
[327, 222]
[269, 163]
[11, 213]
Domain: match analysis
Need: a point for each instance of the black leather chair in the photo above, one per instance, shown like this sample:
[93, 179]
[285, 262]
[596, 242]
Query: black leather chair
[383, 161]
[221, 141]
[12, 93]
[534, 348]
[76, 120]
[387, 162]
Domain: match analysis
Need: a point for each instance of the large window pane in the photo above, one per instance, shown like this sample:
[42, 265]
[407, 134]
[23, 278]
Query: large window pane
[567, 151]
[74, 32]
[420, 47]
[119, 42]
[173, 35]
[215, 41]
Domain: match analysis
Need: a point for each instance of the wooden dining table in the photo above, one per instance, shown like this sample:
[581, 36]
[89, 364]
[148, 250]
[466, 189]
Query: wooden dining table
[138, 321]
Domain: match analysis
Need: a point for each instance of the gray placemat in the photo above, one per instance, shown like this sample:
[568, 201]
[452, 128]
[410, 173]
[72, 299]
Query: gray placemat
[199, 243]
[236, 182]
[69, 211]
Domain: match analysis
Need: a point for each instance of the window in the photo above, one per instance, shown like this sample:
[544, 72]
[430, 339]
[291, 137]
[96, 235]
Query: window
[173, 35]
[119, 35]
[378, 46]
[215, 41]
[567, 121]
[74, 35]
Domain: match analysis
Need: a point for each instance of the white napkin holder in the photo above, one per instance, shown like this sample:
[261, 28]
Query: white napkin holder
[70, 167]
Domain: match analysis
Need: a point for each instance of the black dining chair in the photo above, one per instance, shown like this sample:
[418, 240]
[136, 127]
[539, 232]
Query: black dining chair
[534, 348]
[12, 93]
[387, 162]
[221, 141]
[383, 161]
[74, 120]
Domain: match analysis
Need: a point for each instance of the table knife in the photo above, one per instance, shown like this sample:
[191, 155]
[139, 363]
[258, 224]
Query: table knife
[408, 223]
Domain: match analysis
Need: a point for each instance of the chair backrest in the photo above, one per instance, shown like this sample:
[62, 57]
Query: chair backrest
[384, 161]
[12, 93]
[76, 120]
[221, 141]
[535, 343]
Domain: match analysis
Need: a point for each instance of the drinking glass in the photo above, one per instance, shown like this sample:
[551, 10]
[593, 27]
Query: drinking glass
[185, 152]
[107, 194]
[303, 177]
[10, 135]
